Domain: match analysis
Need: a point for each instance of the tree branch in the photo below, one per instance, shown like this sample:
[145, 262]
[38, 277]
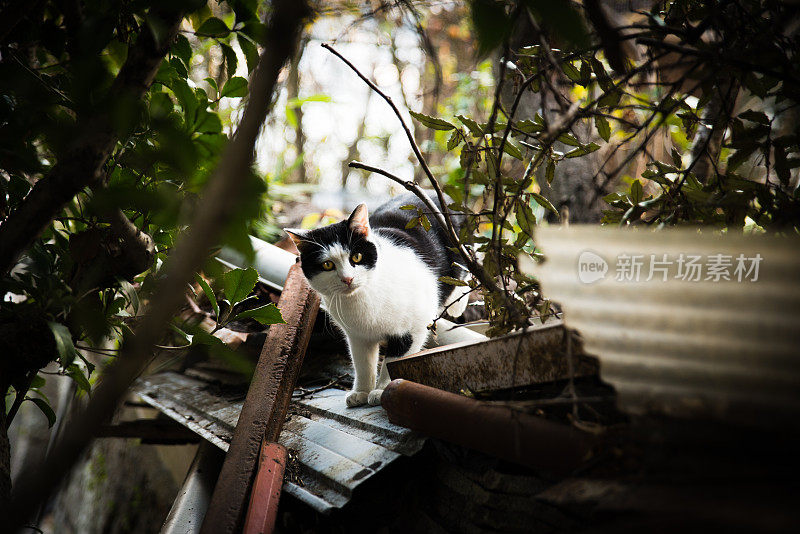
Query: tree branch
[220, 200]
[473, 266]
[435, 184]
[82, 163]
[443, 216]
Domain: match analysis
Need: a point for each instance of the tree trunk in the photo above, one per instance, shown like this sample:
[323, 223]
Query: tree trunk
[293, 90]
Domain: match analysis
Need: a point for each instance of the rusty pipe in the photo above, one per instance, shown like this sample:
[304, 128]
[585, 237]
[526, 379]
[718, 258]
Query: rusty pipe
[263, 508]
[497, 430]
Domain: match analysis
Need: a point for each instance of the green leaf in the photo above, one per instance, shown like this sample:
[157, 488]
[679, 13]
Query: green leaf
[255, 30]
[231, 61]
[528, 126]
[755, 116]
[64, 346]
[182, 49]
[201, 337]
[37, 382]
[525, 218]
[180, 68]
[76, 373]
[238, 283]
[423, 220]
[209, 293]
[250, 52]
[412, 223]
[45, 408]
[582, 150]
[408, 207]
[265, 315]
[454, 140]
[213, 27]
[234, 88]
[208, 123]
[676, 158]
[603, 128]
[569, 139]
[473, 126]
[610, 99]
[544, 202]
[212, 82]
[571, 71]
[453, 281]
[636, 191]
[512, 149]
[550, 172]
[432, 122]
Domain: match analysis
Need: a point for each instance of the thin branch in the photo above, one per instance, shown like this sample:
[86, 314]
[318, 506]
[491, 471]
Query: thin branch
[443, 216]
[434, 183]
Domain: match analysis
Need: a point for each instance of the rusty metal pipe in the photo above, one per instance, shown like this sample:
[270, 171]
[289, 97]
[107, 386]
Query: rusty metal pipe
[263, 508]
[497, 430]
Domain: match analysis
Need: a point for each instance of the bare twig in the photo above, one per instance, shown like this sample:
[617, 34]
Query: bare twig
[302, 393]
[442, 216]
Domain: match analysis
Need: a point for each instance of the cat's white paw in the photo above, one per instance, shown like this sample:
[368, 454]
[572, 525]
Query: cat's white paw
[374, 398]
[356, 398]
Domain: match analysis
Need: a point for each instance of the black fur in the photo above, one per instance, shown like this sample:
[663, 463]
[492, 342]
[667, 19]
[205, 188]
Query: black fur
[389, 221]
[311, 253]
[432, 246]
[398, 345]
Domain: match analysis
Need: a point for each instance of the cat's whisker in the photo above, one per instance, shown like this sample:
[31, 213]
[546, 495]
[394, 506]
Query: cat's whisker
[392, 289]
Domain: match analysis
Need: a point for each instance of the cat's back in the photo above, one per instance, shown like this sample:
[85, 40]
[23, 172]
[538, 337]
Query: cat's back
[432, 246]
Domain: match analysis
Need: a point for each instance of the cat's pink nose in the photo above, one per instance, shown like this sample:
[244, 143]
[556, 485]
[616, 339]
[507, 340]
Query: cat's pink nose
[347, 280]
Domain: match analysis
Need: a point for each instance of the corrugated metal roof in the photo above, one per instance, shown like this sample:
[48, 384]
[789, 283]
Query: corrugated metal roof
[724, 348]
[333, 449]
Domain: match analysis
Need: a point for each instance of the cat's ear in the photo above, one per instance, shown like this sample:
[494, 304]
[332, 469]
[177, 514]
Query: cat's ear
[359, 220]
[298, 236]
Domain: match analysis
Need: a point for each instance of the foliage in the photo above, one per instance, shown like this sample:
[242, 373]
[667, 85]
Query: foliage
[725, 168]
[58, 65]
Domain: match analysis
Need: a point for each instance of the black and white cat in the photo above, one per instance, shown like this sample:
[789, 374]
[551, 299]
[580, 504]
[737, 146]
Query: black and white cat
[380, 284]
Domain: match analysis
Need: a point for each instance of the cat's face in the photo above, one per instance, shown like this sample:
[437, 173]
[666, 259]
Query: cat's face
[338, 259]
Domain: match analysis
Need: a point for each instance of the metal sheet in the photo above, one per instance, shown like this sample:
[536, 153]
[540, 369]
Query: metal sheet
[722, 348]
[333, 449]
[533, 356]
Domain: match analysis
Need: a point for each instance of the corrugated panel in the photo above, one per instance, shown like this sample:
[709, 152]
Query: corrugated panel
[729, 349]
[333, 449]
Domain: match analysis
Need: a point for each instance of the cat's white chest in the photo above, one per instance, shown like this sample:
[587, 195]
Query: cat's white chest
[401, 297]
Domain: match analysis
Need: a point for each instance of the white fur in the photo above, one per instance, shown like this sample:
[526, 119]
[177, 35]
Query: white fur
[398, 295]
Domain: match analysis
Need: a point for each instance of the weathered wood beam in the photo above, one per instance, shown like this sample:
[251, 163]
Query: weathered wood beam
[265, 407]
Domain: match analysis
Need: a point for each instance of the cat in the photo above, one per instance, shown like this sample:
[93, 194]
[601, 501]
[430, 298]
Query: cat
[379, 282]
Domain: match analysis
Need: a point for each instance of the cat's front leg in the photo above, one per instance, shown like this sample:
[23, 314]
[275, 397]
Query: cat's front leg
[396, 346]
[364, 355]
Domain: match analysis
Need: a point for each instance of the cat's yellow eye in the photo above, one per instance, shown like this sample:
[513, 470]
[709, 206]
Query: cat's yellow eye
[327, 265]
[356, 257]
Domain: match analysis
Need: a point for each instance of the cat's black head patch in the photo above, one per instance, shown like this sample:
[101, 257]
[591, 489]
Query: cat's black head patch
[313, 244]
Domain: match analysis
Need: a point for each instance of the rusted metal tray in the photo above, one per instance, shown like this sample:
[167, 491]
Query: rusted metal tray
[333, 449]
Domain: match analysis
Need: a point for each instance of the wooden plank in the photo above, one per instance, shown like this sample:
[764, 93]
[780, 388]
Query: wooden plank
[266, 404]
[534, 356]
